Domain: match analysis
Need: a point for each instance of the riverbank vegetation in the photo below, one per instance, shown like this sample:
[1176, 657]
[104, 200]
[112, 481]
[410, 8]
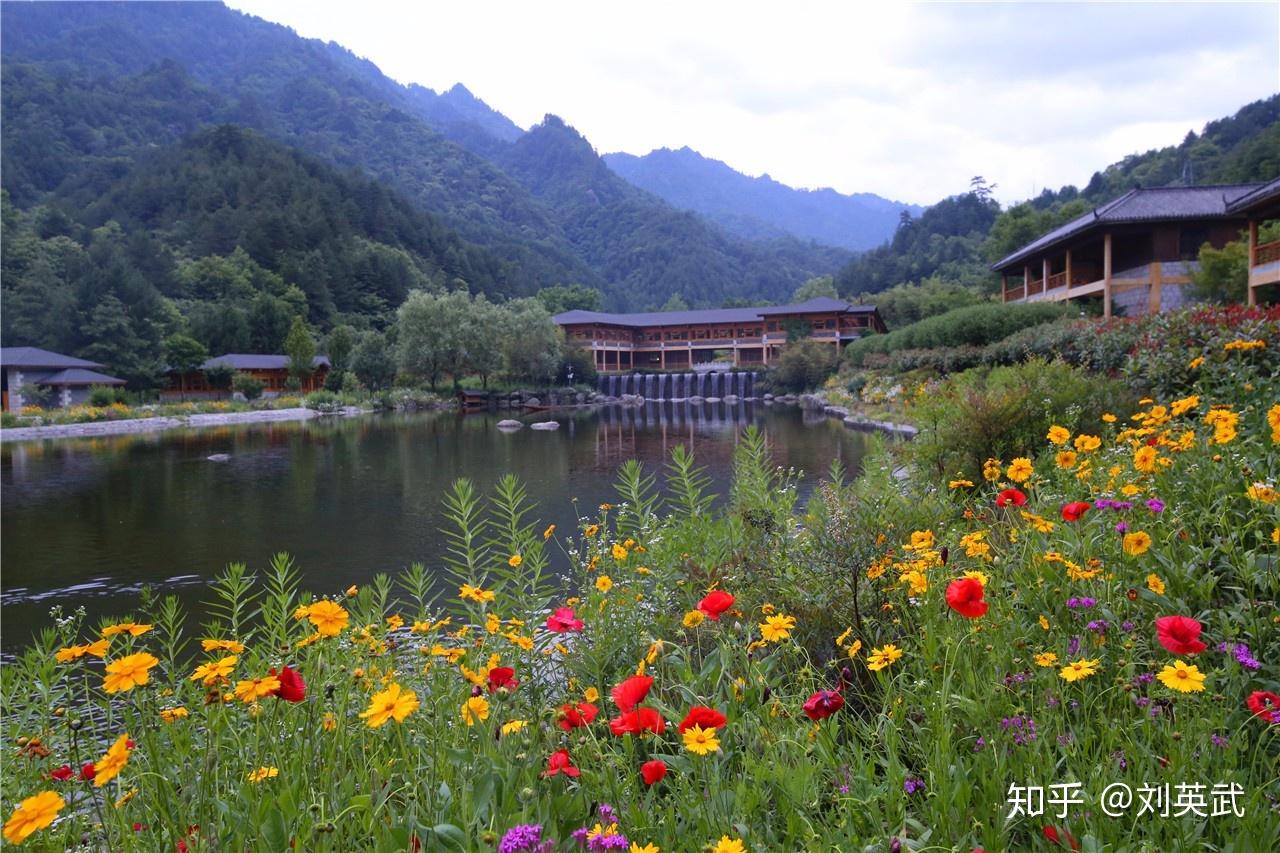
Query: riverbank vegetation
[1069, 643]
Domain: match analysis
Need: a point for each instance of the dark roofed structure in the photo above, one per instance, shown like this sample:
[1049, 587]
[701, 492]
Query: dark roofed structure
[36, 357]
[70, 378]
[680, 339]
[254, 361]
[80, 376]
[271, 369]
[1136, 252]
[1261, 206]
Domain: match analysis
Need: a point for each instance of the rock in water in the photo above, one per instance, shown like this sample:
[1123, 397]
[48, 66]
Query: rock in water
[545, 425]
[219, 457]
[510, 424]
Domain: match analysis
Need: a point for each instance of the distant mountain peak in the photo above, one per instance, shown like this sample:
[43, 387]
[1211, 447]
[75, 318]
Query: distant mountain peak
[761, 207]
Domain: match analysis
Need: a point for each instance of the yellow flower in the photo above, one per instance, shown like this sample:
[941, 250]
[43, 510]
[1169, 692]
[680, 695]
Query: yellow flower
[604, 583]
[1182, 676]
[1181, 407]
[352, 590]
[475, 593]
[1136, 544]
[1046, 659]
[109, 766]
[844, 636]
[1262, 493]
[393, 703]
[918, 582]
[98, 649]
[777, 628]
[591, 530]
[655, 649]
[1145, 459]
[693, 618]
[212, 672]
[920, 540]
[1020, 469]
[476, 708]
[31, 815]
[1044, 623]
[991, 470]
[1065, 459]
[729, 845]
[619, 552]
[1195, 362]
[514, 561]
[882, 657]
[980, 577]
[1079, 669]
[128, 672]
[648, 848]
[701, 741]
[1087, 443]
[329, 617]
[1273, 420]
[513, 727]
[222, 646]
[1155, 584]
[263, 773]
[171, 714]
[549, 532]
[133, 629]
[1059, 435]
[252, 689]
[960, 484]
[330, 722]
[1243, 346]
[1108, 418]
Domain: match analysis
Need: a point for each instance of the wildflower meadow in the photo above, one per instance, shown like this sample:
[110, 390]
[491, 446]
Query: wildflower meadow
[1074, 647]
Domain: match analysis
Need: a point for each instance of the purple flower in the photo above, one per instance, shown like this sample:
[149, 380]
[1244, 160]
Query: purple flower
[616, 841]
[1103, 503]
[1127, 626]
[1155, 505]
[1121, 505]
[580, 835]
[913, 784]
[1065, 740]
[1122, 527]
[607, 814]
[1073, 646]
[979, 744]
[1219, 741]
[1120, 759]
[1241, 653]
[523, 836]
[1081, 603]
[1098, 626]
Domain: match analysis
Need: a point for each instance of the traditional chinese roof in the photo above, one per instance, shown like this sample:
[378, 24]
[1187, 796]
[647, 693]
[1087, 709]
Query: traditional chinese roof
[1141, 205]
[36, 357]
[1267, 195]
[255, 361]
[818, 305]
[80, 376]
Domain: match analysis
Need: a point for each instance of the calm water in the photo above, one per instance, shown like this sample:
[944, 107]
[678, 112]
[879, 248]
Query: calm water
[89, 521]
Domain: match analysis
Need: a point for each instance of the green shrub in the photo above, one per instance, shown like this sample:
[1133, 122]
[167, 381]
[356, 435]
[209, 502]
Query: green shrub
[802, 367]
[1100, 346]
[999, 412]
[976, 325]
[101, 396]
[322, 401]
[247, 385]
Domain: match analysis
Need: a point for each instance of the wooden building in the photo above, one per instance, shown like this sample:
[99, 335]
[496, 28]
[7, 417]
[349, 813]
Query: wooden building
[271, 370]
[1136, 252]
[1260, 207]
[678, 340]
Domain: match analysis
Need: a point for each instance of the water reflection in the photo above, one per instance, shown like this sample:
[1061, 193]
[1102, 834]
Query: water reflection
[90, 521]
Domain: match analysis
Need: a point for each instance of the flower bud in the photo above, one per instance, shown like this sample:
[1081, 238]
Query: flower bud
[76, 724]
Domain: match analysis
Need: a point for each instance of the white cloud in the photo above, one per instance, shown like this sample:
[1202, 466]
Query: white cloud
[905, 100]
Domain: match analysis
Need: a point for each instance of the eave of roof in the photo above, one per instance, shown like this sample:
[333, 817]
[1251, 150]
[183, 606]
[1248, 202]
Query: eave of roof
[822, 304]
[1267, 194]
[36, 357]
[80, 376]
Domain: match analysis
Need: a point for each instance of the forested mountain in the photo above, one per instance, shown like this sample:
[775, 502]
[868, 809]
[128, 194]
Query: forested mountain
[761, 208]
[91, 86]
[956, 239]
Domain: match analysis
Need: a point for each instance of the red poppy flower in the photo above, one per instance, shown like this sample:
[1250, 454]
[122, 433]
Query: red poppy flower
[63, 773]
[1011, 496]
[653, 771]
[1179, 634]
[823, 704]
[502, 676]
[701, 715]
[1266, 705]
[559, 762]
[292, 687]
[577, 716]
[88, 771]
[631, 692]
[714, 603]
[964, 596]
[139, 827]
[563, 621]
[1075, 510]
[637, 722]
[1052, 834]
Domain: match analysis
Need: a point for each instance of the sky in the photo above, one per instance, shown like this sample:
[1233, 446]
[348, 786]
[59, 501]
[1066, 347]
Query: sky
[906, 100]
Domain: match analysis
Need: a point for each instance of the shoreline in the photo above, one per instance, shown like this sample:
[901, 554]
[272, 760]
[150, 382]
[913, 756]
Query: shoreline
[158, 424]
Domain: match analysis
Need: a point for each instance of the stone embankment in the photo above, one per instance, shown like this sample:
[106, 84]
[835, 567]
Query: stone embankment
[817, 403]
[135, 425]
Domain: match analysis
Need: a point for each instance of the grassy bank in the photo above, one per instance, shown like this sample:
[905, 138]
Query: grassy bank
[893, 665]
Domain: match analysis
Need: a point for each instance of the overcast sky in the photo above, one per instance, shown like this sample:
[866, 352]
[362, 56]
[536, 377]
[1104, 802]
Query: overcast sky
[905, 100]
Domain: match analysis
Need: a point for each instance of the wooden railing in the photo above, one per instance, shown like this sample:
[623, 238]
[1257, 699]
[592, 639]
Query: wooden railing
[1266, 253]
[1013, 294]
[1057, 280]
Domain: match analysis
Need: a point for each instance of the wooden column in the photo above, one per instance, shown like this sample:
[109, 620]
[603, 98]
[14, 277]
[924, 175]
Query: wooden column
[1026, 281]
[1252, 293]
[1157, 279]
[1068, 273]
[1044, 275]
[1106, 275]
[662, 356]
[1004, 287]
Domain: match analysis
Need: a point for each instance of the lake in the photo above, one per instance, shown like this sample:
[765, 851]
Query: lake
[89, 521]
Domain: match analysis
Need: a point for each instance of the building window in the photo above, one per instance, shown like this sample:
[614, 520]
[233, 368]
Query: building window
[1189, 242]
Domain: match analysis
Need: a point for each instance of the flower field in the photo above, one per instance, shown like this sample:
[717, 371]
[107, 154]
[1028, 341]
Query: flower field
[1077, 647]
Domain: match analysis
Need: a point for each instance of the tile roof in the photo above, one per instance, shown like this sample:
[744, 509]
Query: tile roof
[255, 361]
[36, 357]
[1141, 205]
[1266, 195]
[711, 315]
[80, 376]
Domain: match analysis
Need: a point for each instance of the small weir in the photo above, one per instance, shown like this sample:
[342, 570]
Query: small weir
[679, 386]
